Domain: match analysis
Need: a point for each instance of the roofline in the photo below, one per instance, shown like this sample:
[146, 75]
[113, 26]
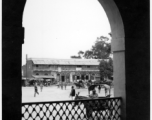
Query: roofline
[62, 59]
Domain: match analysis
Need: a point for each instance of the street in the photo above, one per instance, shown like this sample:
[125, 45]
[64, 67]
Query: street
[53, 93]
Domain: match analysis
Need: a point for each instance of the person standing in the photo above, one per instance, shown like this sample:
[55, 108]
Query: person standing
[58, 84]
[107, 88]
[41, 86]
[36, 90]
[94, 94]
[61, 85]
[65, 84]
[72, 93]
[99, 88]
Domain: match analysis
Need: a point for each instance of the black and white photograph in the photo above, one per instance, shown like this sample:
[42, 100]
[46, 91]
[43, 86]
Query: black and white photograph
[75, 60]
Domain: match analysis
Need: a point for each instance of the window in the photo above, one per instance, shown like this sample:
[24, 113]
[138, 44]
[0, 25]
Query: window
[88, 66]
[37, 66]
[37, 73]
[46, 74]
[79, 66]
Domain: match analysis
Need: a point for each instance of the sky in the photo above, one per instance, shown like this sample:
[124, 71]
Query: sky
[61, 28]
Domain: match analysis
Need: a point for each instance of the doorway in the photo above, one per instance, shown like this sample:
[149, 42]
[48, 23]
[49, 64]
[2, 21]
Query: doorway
[62, 78]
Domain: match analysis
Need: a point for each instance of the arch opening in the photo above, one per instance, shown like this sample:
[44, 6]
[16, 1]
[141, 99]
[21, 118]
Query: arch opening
[118, 46]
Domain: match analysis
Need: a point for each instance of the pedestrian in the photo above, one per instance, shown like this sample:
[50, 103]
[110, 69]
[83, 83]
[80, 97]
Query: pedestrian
[99, 88]
[62, 85]
[36, 90]
[65, 84]
[72, 93]
[107, 88]
[94, 94]
[41, 86]
[80, 81]
[90, 82]
[58, 84]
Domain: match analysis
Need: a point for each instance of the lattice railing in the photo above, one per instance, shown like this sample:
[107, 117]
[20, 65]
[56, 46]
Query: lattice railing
[96, 109]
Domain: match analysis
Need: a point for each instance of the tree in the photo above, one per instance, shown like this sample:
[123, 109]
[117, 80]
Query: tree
[100, 50]
[106, 68]
[102, 67]
[88, 54]
[76, 57]
[80, 53]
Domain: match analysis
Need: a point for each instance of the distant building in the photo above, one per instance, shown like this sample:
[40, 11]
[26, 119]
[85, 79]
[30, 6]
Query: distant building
[61, 69]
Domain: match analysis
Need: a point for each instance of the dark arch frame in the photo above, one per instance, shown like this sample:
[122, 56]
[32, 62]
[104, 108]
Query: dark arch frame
[136, 20]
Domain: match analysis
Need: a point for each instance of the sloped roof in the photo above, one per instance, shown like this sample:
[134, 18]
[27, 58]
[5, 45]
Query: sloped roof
[44, 61]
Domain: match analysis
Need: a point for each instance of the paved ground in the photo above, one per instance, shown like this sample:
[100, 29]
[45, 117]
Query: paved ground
[53, 93]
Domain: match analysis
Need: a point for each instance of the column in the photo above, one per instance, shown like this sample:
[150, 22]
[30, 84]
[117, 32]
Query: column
[12, 40]
[119, 72]
[71, 79]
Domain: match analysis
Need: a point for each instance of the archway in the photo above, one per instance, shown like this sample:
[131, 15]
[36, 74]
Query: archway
[118, 48]
[13, 35]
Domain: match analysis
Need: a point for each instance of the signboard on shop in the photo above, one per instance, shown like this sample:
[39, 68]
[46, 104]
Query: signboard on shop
[59, 69]
[78, 69]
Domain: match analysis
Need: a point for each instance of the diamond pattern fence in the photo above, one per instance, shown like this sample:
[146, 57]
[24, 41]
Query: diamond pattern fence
[89, 109]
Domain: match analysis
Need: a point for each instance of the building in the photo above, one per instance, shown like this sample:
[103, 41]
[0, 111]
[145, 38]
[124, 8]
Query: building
[61, 69]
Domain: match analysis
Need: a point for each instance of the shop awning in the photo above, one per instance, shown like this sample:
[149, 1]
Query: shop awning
[39, 76]
[24, 78]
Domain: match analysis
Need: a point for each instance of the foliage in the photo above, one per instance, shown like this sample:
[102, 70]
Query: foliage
[80, 53]
[106, 68]
[88, 54]
[100, 50]
[76, 57]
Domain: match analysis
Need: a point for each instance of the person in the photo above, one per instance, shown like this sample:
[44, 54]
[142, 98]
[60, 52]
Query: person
[41, 86]
[93, 81]
[36, 90]
[80, 81]
[72, 93]
[107, 88]
[94, 94]
[90, 82]
[65, 84]
[58, 84]
[99, 88]
[61, 85]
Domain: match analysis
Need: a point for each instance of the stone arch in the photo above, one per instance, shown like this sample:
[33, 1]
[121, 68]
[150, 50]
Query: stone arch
[13, 38]
[118, 49]
[115, 20]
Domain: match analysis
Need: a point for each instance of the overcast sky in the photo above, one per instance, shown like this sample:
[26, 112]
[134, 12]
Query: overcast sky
[60, 28]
